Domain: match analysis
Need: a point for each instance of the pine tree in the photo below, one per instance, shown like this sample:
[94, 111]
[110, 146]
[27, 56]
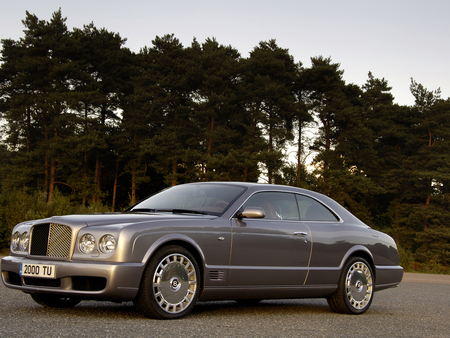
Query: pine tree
[105, 65]
[428, 163]
[343, 143]
[40, 79]
[217, 113]
[269, 84]
[167, 81]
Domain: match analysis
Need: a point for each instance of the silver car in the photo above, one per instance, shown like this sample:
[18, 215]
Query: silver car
[205, 241]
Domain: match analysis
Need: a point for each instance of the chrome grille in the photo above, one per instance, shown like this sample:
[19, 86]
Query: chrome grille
[59, 241]
[51, 240]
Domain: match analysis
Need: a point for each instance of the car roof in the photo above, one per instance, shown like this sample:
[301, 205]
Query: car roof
[253, 187]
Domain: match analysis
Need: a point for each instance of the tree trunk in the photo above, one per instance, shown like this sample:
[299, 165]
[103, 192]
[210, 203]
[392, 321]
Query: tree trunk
[269, 165]
[47, 174]
[28, 130]
[174, 172]
[210, 137]
[51, 187]
[299, 153]
[85, 176]
[97, 180]
[116, 177]
[133, 187]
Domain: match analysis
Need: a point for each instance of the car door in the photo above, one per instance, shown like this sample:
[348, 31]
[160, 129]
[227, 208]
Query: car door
[332, 239]
[274, 250]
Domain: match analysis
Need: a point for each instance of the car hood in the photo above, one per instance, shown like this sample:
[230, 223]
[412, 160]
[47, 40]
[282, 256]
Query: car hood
[122, 219]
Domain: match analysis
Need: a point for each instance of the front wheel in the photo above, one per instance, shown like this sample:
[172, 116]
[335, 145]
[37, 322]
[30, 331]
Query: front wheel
[170, 285]
[355, 290]
[55, 300]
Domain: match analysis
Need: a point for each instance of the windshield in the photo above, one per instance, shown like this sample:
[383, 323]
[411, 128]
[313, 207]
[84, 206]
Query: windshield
[204, 198]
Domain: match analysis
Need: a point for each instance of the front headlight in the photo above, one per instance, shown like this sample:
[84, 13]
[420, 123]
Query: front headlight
[87, 243]
[15, 239]
[24, 241]
[107, 244]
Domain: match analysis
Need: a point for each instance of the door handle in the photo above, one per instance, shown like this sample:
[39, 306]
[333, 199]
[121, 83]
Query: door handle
[301, 234]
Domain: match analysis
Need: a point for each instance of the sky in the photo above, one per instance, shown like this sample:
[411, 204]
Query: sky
[394, 39]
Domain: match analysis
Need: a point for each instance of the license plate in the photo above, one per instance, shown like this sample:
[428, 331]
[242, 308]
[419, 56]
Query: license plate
[37, 270]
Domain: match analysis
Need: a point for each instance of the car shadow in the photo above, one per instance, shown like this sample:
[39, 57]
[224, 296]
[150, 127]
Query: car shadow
[210, 309]
[284, 306]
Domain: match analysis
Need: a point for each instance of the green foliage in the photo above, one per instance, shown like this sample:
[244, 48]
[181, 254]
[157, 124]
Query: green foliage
[406, 258]
[17, 206]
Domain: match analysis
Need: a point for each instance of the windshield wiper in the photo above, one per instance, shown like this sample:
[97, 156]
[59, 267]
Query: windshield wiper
[187, 211]
[175, 211]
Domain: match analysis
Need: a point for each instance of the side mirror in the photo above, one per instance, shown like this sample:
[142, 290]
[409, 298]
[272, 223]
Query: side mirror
[252, 212]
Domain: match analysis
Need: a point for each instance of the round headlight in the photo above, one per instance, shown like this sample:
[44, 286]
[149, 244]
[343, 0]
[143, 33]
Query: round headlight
[107, 244]
[15, 240]
[87, 243]
[24, 240]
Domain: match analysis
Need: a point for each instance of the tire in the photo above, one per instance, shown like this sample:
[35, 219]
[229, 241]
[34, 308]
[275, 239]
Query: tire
[170, 285]
[55, 301]
[355, 289]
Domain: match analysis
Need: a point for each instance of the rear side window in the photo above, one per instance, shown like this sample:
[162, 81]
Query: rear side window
[312, 210]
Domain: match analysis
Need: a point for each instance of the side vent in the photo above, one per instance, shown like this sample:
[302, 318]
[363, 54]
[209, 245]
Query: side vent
[216, 275]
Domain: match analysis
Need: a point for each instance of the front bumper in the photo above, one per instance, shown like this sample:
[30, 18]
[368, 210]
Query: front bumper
[87, 280]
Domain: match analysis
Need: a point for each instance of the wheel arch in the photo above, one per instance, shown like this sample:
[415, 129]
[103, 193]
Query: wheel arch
[362, 252]
[182, 241]
[356, 286]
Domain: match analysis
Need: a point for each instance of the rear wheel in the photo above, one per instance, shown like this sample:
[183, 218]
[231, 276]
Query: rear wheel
[55, 301]
[355, 290]
[170, 285]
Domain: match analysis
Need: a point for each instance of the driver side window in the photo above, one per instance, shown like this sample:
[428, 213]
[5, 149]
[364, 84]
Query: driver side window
[276, 205]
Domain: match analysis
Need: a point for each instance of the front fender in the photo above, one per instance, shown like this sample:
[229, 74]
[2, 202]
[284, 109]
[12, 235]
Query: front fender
[145, 245]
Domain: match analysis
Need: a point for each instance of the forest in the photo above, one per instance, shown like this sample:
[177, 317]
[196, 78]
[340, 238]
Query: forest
[89, 126]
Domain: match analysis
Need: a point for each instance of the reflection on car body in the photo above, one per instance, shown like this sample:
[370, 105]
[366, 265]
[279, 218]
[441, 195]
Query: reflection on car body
[205, 241]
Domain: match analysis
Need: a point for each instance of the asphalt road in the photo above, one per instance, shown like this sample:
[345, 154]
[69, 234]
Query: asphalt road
[419, 307]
